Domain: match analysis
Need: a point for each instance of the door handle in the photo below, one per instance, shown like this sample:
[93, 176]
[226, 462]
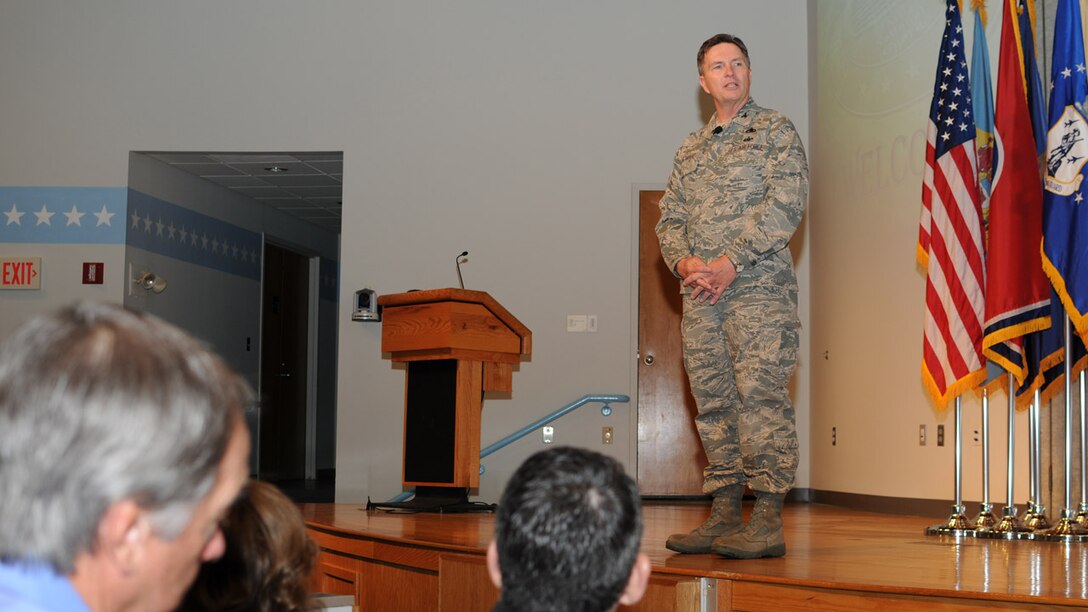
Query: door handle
[649, 360]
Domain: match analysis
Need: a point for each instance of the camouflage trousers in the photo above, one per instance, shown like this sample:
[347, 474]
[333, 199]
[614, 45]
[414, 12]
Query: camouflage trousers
[740, 355]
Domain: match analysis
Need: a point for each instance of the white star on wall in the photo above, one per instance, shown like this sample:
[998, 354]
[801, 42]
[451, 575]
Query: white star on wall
[44, 216]
[159, 227]
[14, 216]
[74, 217]
[104, 217]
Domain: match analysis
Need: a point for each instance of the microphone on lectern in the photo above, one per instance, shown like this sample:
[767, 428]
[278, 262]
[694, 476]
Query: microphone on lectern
[458, 260]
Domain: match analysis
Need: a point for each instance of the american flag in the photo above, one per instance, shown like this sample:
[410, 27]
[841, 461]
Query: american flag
[950, 239]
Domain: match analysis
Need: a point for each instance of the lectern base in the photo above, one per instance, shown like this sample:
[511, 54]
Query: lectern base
[442, 500]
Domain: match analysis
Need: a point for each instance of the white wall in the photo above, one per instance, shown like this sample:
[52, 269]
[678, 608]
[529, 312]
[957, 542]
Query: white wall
[62, 268]
[513, 130]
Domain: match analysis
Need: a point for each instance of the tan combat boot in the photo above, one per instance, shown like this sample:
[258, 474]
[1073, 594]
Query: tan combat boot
[762, 537]
[725, 518]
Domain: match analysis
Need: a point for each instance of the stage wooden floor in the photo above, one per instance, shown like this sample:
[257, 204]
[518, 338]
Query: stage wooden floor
[837, 559]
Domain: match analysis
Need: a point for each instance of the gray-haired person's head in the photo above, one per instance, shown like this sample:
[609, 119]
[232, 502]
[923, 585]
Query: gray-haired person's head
[99, 404]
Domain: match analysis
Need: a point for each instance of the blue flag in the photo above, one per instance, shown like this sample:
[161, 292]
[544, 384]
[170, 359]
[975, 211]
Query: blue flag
[1036, 101]
[982, 101]
[1065, 220]
[1046, 354]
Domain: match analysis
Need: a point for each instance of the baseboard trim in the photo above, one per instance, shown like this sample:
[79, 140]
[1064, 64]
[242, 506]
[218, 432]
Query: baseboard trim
[888, 505]
[853, 501]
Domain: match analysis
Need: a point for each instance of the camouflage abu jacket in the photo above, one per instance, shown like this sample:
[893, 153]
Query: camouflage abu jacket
[739, 190]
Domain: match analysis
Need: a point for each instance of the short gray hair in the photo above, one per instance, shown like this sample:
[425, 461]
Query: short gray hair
[99, 404]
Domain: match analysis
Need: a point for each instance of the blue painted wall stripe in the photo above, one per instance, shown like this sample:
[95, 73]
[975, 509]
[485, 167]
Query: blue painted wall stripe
[118, 215]
[167, 229]
[60, 215]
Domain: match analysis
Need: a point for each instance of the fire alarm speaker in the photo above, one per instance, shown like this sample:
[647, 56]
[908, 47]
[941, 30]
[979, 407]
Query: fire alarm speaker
[366, 306]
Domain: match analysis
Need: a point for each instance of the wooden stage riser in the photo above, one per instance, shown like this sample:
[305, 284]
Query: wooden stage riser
[836, 560]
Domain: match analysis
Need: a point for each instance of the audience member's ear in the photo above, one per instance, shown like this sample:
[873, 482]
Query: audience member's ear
[493, 569]
[122, 535]
[637, 581]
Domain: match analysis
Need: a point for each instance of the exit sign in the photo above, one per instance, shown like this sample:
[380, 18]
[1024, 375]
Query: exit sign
[20, 272]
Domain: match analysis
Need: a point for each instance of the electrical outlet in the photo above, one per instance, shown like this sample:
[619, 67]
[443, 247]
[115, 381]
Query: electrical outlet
[940, 435]
[606, 435]
[921, 435]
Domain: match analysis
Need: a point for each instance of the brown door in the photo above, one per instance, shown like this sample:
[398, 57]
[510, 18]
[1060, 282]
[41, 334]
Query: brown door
[670, 455]
[283, 365]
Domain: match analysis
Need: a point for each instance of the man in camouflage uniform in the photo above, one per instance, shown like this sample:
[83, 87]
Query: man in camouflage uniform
[735, 197]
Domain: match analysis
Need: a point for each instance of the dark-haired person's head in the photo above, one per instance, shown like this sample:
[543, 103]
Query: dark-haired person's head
[720, 39]
[567, 535]
[725, 74]
[122, 445]
[268, 559]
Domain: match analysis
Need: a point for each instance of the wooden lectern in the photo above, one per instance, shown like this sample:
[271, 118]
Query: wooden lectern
[457, 344]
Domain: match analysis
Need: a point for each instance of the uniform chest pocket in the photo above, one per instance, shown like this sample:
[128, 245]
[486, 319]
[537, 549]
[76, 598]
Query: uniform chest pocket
[743, 165]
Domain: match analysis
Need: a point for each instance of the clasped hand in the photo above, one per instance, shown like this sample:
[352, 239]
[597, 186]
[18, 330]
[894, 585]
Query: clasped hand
[707, 280]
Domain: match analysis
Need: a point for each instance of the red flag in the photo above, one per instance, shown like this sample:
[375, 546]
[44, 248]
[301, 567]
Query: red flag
[950, 234]
[1017, 291]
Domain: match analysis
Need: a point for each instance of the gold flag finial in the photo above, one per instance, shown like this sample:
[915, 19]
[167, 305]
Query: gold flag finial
[980, 8]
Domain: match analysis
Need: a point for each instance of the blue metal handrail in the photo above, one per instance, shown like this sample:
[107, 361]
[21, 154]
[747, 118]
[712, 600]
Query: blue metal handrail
[606, 410]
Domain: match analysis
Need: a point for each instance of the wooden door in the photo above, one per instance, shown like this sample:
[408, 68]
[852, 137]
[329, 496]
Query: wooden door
[670, 455]
[284, 343]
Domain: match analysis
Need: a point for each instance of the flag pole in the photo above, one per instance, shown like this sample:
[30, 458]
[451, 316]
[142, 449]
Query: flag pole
[1009, 528]
[985, 519]
[1037, 457]
[1067, 530]
[957, 523]
[1082, 510]
[1029, 507]
[1035, 519]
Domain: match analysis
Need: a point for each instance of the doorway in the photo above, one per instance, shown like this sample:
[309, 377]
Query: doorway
[285, 434]
[670, 454]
